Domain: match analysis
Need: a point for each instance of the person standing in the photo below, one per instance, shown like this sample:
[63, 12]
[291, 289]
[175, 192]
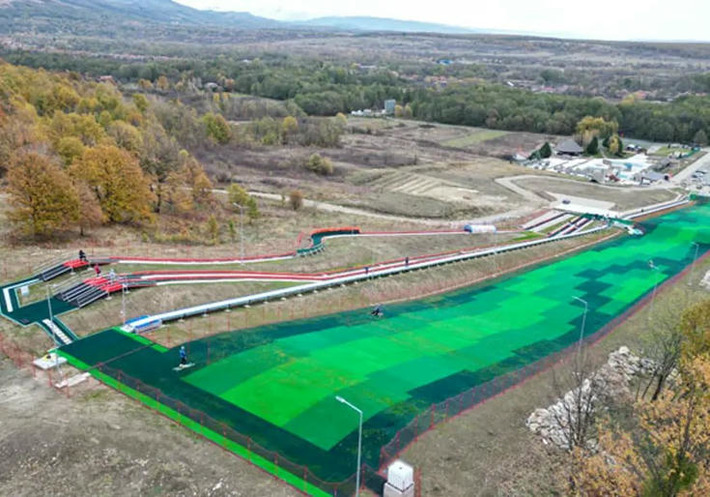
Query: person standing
[97, 270]
[183, 356]
[82, 256]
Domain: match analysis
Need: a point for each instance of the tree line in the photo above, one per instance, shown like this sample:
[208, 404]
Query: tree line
[325, 89]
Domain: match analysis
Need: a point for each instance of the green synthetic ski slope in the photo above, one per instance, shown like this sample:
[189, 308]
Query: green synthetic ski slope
[278, 383]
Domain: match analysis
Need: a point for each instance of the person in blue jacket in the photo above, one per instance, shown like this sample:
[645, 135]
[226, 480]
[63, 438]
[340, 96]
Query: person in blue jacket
[183, 356]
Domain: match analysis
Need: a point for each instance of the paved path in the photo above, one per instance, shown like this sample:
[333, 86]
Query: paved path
[686, 173]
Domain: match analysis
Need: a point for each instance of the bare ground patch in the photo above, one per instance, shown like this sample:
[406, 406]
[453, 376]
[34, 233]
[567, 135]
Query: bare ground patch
[99, 442]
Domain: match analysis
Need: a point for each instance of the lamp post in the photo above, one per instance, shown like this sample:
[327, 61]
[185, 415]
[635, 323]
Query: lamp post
[123, 302]
[241, 231]
[54, 336]
[692, 267]
[49, 303]
[584, 323]
[359, 442]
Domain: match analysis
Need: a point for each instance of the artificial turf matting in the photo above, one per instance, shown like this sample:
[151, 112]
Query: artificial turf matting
[278, 383]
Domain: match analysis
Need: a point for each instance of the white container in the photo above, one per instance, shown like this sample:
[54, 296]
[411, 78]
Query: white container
[480, 228]
[400, 475]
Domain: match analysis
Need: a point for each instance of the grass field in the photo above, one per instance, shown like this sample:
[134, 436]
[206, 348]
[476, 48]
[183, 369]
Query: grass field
[278, 383]
[474, 138]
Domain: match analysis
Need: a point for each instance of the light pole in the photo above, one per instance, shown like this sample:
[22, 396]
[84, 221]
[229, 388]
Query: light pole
[49, 303]
[54, 336]
[584, 323]
[692, 267]
[241, 231]
[359, 442]
[123, 302]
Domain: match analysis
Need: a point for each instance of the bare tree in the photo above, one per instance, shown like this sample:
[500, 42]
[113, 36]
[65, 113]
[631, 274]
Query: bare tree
[664, 340]
[580, 392]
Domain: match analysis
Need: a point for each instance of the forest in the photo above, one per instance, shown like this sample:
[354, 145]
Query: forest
[325, 89]
[76, 154]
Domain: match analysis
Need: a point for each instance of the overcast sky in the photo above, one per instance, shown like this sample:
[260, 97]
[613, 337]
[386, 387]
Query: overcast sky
[600, 19]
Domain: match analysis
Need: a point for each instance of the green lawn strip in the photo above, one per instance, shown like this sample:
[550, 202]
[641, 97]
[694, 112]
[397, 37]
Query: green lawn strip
[218, 439]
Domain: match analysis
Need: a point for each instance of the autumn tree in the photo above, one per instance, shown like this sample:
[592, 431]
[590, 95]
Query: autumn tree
[125, 135]
[289, 126]
[16, 132]
[117, 181]
[320, 165]
[42, 196]
[213, 229]
[176, 195]
[615, 146]
[341, 121]
[69, 148]
[196, 179]
[90, 214]
[82, 126]
[162, 83]
[590, 127]
[662, 448]
[695, 326]
[663, 453]
[159, 157]
[237, 194]
[217, 128]
[295, 199]
[141, 102]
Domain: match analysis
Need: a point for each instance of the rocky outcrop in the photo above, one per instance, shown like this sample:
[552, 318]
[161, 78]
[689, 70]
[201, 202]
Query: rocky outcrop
[610, 382]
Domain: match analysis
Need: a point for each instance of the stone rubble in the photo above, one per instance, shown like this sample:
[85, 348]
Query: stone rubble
[611, 381]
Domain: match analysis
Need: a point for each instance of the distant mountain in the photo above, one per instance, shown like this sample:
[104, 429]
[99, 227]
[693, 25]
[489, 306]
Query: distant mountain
[16, 15]
[50, 16]
[384, 24]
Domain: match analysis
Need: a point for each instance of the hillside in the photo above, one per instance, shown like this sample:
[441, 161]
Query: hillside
[384, 24]
[82, 17]
[60, 15]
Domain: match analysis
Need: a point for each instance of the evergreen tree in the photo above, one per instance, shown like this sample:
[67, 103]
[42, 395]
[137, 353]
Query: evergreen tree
[546, 150]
